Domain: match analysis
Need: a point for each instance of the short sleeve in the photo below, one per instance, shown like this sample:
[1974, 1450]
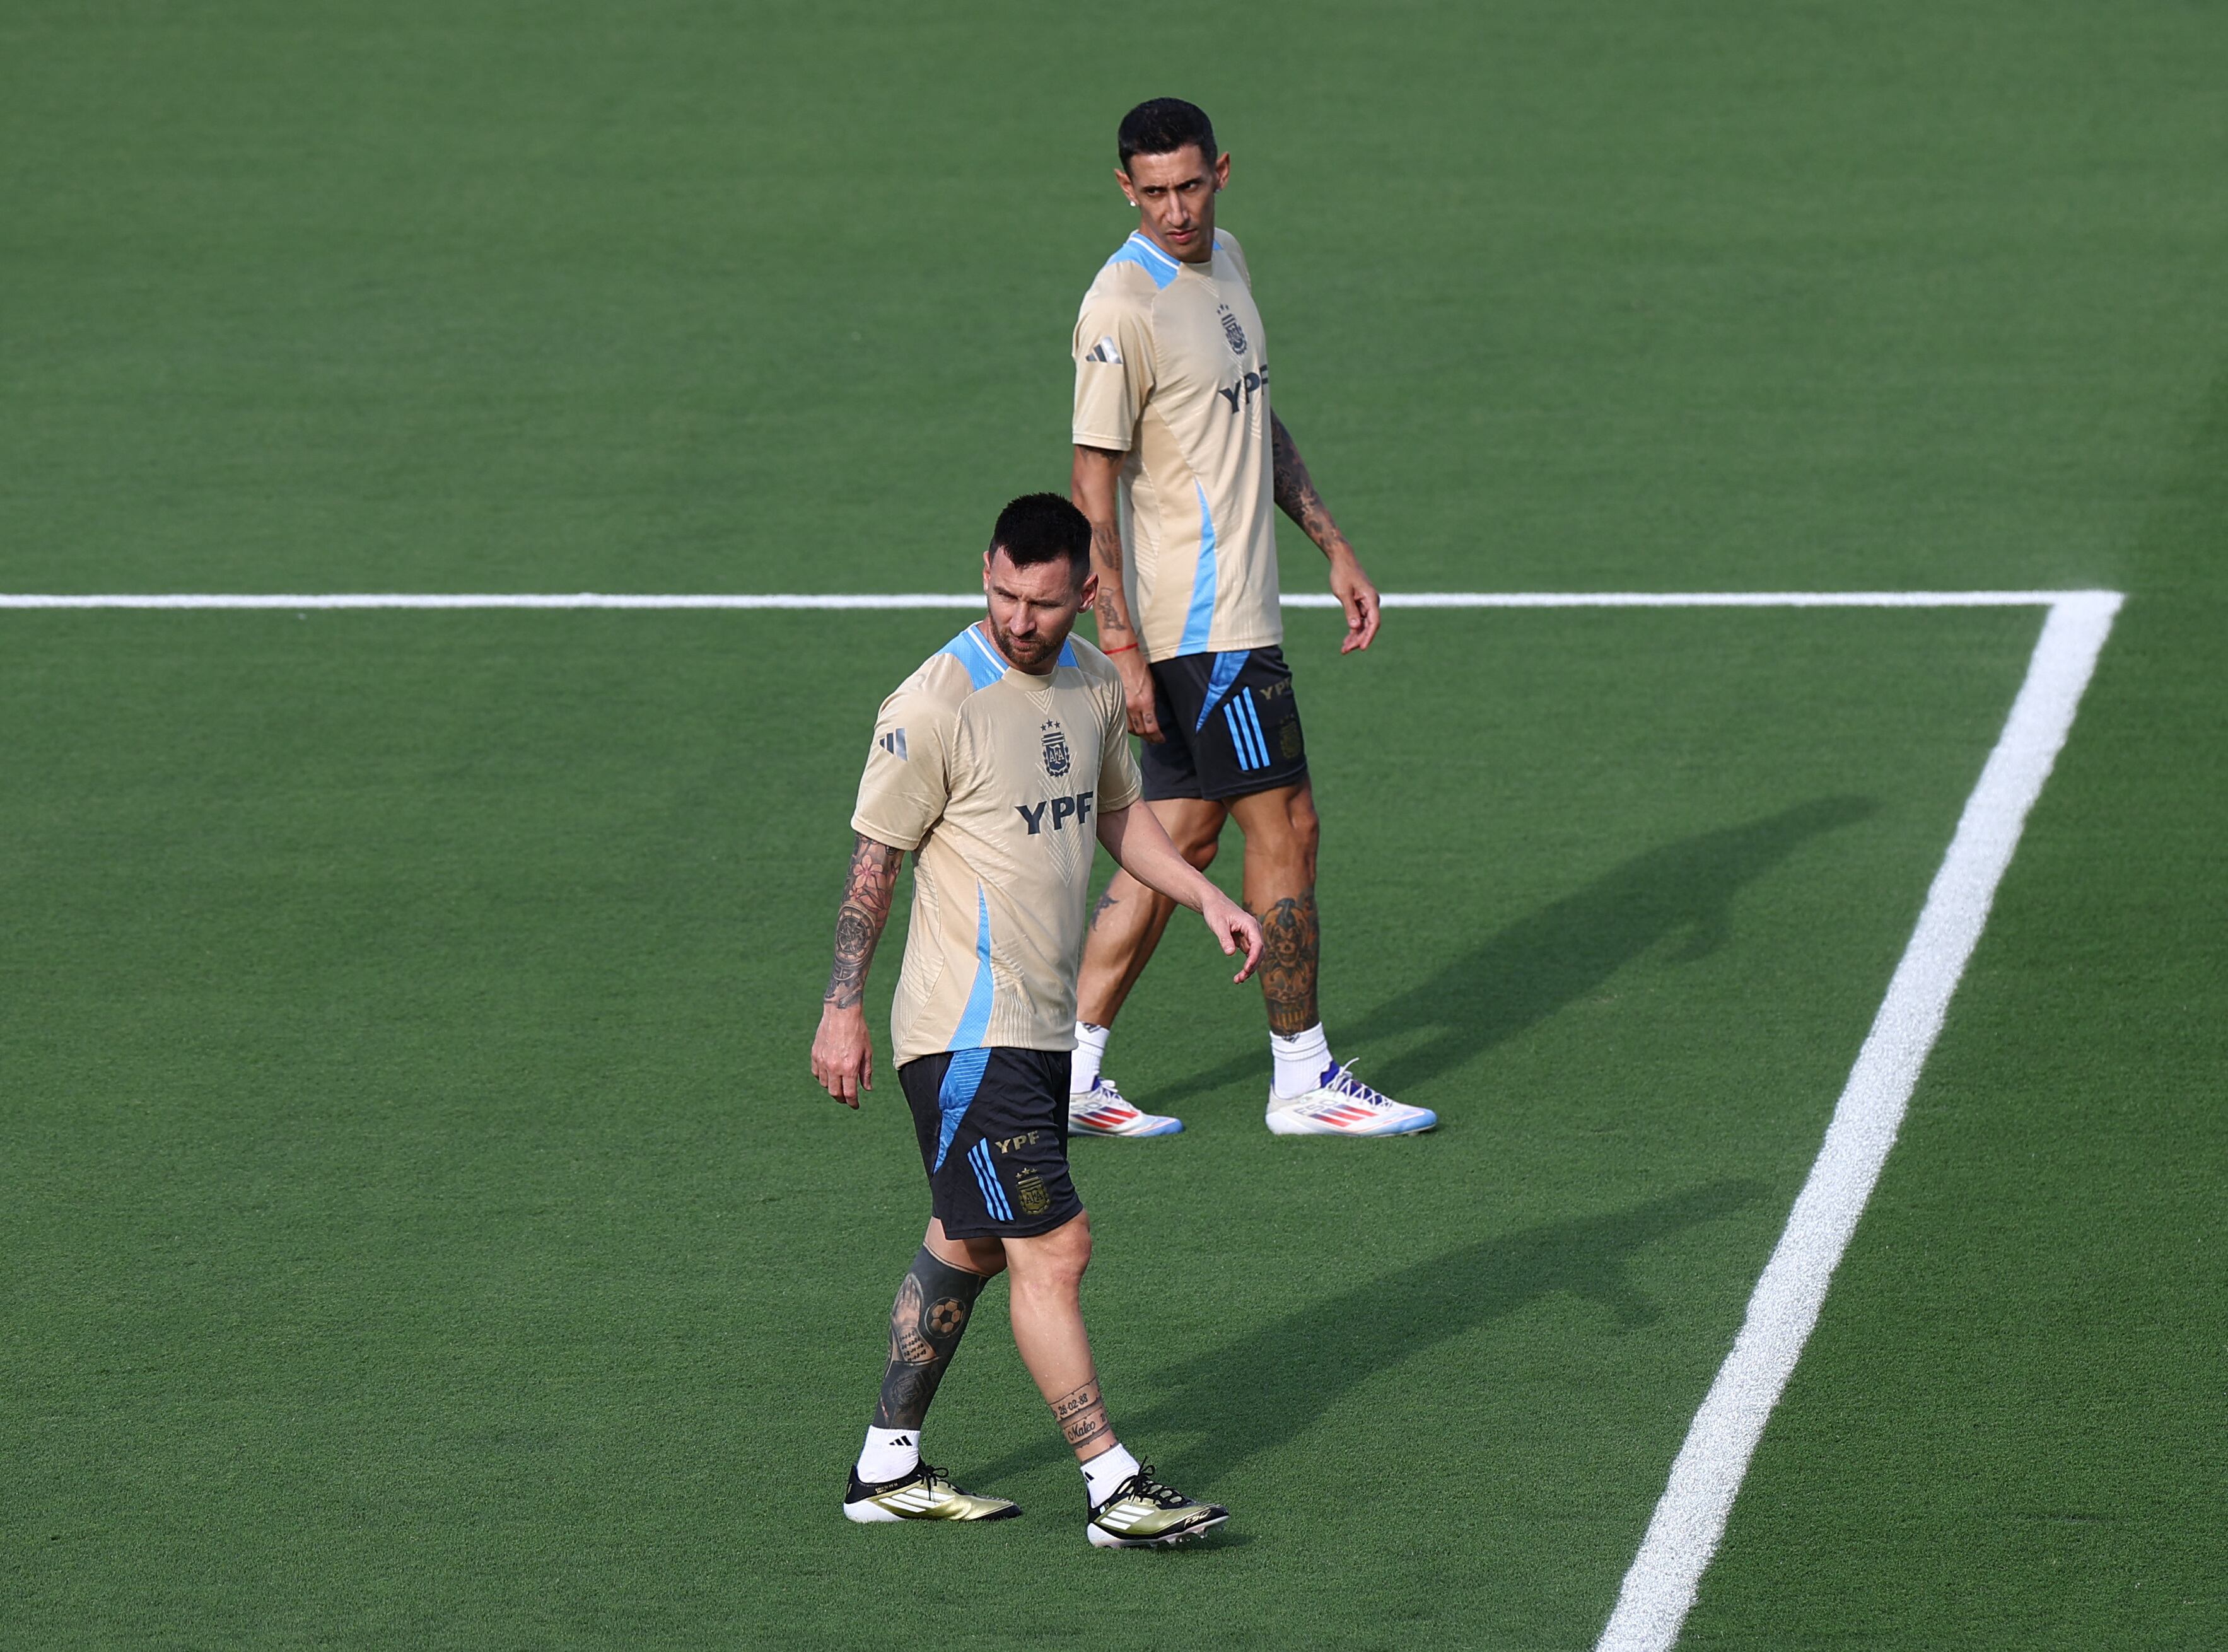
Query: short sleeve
[1113, 349]
[1226, 244]
[1120, 784]
[902, 794]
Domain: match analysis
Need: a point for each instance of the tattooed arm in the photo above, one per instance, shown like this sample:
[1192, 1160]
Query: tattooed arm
[1298, 498]
[1093, 485]
[843, 1052]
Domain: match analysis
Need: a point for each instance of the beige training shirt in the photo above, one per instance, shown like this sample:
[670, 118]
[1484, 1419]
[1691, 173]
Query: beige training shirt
[996, 778]
[1172, 368]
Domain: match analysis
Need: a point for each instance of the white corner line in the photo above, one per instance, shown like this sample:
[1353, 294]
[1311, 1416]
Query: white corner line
[1690, 1520]
[302, 602]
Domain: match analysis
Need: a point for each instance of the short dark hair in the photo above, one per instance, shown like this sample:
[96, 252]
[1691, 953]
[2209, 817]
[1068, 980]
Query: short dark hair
[1163, 125]
[1044, 528]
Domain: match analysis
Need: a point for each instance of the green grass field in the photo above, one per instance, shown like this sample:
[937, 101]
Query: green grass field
[420, 1228]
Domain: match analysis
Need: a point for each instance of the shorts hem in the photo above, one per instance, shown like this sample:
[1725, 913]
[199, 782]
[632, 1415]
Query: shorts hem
[1035, 1228]
[1248, 788]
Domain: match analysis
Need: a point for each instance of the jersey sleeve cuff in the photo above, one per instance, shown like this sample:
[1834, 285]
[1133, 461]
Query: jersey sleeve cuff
[897, 840]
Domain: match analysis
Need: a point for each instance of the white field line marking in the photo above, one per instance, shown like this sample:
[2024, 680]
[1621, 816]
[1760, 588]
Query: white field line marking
[1690, 1521]
[974, 599]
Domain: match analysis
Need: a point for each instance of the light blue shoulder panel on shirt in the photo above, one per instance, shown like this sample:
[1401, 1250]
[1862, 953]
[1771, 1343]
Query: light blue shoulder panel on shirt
[1148, 258]
[982, 660]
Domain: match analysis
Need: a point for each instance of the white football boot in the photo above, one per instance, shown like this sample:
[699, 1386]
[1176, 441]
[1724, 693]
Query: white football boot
[1341, 1105]
[1100, 1111]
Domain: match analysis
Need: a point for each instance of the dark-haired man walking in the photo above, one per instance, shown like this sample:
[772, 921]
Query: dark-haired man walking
[1180, 465]
[1000, 765]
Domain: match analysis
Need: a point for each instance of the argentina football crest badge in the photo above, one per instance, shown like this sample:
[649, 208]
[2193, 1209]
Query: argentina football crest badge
[1232, 330]
[1055, 748]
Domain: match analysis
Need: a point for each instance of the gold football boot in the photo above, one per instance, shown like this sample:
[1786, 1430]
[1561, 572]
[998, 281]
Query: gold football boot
[925, 1493]
[1143, 1512]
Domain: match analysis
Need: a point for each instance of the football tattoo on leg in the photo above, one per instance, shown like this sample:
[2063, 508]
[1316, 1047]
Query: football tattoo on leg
[934, 1303]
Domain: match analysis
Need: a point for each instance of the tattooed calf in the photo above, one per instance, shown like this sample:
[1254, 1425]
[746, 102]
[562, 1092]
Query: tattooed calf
[934, 1301]
[1291, 950]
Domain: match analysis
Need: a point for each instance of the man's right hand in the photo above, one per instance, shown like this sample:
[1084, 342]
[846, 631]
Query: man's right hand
[1234, 929]
[1137, 691]
[843, 1054]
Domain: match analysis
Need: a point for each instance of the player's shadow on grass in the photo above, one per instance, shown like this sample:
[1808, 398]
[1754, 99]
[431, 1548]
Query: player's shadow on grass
[1522, 974]
[1262, 1390]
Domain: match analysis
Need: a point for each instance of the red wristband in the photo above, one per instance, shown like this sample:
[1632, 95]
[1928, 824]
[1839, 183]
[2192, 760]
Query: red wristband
[1111, 652]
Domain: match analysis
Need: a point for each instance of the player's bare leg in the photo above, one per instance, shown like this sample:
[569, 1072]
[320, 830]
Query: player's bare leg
[1128, 1506]
[1282, 834]
[1126, 928]
[1130, 919]
[1046, 1306]
[1312, 1094]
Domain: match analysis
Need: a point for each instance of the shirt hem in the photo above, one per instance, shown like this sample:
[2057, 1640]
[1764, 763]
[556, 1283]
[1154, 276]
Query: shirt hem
[1052, 1043]
[1259, 639]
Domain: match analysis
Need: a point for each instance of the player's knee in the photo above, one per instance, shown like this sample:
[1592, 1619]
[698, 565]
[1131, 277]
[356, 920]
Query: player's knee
[1200, 851]
[1063, 1255]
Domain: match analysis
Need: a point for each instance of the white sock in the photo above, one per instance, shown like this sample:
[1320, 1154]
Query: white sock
[1106, 1471]
[889, 1454]
[1300, 1059]
[1090, 1053]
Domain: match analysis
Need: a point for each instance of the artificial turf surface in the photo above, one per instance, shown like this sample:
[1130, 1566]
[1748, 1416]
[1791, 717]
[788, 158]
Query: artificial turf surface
[420, 1228]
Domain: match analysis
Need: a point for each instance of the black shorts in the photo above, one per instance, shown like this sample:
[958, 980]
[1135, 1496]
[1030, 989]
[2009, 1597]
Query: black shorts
[993, 1127]
[1230, 726]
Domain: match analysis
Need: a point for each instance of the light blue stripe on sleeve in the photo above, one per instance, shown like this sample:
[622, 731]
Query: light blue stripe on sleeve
[1199, 624]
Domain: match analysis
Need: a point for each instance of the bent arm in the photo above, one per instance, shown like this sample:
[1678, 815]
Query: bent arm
[1142, 848]
[1137, 840]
